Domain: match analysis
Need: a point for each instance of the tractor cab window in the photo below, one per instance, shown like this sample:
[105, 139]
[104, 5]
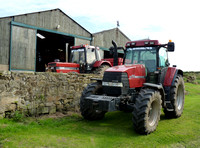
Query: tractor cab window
[91, 55]
[98, 54]
[142, 55]
[163, 57]
[77, 56]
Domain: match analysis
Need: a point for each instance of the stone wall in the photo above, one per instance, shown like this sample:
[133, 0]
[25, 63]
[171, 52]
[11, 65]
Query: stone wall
[40, 93]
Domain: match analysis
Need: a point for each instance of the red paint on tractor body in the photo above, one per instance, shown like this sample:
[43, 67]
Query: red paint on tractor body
[169, 76]
[62, 67]
[136, 73]
[108, 61]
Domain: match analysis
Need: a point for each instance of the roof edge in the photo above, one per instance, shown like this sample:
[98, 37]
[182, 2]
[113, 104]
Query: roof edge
[111, 30]
[30, 13]
[56, 9]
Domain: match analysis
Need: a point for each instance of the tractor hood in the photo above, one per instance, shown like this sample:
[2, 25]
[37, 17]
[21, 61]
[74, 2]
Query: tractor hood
[138, 69]
[63, 67]
[136, 73]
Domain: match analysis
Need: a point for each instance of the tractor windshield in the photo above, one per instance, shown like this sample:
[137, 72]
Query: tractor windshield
[77, 56]
[142, 55]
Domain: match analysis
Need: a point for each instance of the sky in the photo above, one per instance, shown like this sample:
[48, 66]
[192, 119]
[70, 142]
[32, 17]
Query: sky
[163, 20]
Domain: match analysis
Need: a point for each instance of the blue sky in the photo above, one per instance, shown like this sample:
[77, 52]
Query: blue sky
[155, 19]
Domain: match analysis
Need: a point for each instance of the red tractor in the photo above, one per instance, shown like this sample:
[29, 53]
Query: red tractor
[84, 59]
[143, 85]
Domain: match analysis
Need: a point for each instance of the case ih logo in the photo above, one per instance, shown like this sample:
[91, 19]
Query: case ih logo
[133, 76]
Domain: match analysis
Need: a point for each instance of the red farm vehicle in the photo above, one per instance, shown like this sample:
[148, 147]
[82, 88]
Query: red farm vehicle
[143, 85]
[84, 59]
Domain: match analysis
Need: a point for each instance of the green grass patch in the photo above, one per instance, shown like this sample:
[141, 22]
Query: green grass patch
[115, 130]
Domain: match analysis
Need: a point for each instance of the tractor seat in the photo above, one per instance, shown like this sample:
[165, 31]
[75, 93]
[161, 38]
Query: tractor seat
[150, 65]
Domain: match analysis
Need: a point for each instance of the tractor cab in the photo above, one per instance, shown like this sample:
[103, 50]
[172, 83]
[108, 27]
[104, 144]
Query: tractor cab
[151, 54]
[85, 55]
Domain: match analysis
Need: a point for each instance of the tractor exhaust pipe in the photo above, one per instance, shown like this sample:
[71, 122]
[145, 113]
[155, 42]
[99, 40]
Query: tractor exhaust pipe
[115, 54]
[113, 50]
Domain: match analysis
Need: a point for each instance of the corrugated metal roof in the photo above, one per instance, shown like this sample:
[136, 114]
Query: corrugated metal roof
[57, 9]
[112, 30]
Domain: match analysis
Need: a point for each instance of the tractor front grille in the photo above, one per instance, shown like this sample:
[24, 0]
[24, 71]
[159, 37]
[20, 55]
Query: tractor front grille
[116, 77]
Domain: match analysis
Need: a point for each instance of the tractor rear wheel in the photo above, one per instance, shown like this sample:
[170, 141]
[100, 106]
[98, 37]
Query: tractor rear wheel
[147, 110]
[177, 98]
[86, 111]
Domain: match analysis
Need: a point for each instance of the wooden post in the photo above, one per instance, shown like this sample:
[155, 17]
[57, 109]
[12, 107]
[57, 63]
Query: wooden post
[67, 44]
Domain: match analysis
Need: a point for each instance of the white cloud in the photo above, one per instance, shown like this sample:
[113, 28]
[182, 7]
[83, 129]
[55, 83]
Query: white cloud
[15, 7]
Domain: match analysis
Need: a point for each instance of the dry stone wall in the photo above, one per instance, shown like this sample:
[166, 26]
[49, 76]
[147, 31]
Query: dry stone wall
[40, 93]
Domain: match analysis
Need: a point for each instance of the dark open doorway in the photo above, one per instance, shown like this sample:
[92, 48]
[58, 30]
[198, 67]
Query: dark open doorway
[51, 46]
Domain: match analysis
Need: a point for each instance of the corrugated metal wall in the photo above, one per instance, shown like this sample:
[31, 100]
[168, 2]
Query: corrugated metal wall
[50, 20]
[104, 38]
[4, 42]
[81, 41]
[23, 49]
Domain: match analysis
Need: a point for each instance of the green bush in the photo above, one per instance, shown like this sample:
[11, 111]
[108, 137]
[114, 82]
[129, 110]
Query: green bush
[18, 116]
[192, 77]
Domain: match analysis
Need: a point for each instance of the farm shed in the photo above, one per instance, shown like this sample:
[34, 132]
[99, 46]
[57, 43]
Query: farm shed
[104, 38]
[29, 41]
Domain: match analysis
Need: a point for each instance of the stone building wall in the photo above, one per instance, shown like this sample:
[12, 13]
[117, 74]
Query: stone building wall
[40, 93]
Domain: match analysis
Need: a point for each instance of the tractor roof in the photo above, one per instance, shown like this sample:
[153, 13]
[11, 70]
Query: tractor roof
[142, 43]
[82, 46]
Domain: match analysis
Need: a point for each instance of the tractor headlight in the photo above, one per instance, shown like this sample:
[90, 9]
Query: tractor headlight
[113, 84]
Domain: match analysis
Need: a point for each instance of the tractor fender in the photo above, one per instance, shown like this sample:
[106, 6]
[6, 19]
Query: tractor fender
[171, 75]
[158, 87]
[99, 63]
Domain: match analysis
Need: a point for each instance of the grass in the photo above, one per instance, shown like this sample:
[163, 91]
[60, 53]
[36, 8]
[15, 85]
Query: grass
[114, 131]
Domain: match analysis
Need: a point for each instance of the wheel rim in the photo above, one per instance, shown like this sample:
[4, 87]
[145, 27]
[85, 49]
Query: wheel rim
[180, 96]
[153, 113]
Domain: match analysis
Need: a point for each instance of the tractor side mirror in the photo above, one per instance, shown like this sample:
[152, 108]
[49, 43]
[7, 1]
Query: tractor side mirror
[170, 46]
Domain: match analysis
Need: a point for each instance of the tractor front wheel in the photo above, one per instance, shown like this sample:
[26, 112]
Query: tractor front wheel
[147, 110]
[87, 111]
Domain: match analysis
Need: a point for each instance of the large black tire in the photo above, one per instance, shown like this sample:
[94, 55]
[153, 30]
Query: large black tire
[177, 98]
[101, 69]
[86, 111]
[147, 110]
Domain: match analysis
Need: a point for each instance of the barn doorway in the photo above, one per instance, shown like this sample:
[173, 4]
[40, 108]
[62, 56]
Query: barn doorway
[51, 46]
